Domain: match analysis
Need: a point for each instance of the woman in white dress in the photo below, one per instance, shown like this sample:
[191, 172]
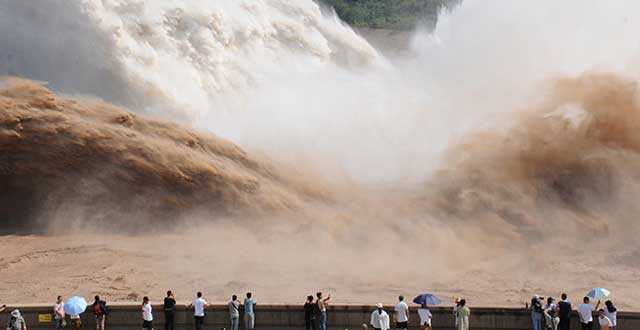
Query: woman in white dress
[463, 315]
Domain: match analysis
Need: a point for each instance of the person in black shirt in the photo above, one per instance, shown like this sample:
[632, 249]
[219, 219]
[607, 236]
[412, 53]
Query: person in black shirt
[169, 311]
[564, 312]
[310, 311]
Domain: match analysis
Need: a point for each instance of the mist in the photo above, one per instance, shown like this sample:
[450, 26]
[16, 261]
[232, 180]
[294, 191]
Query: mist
[508, 128]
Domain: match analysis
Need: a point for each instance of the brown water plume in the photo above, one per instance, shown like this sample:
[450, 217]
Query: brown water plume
[86, 162]
[566, 167]
[559, 175]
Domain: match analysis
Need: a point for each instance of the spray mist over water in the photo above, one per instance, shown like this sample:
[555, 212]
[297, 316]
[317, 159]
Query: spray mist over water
[282, 80]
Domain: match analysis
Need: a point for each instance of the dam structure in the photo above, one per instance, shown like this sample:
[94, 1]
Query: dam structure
[283, 317]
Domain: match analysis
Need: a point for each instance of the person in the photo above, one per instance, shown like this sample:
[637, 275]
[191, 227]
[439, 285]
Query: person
[99, 312]
[147, 314]
[58, 313]
[604, 321]
[455, 310]
[249, 314]
[379, 318]
[16, 321]
[75, 322]
[536, 312]
[322, 306]
[169, 308]
[551, 314]
[402, 314]
[564, 313]
[585, 312]
[310, 311]
[425, 317]
[234, 312]
[199, 305]
[612, 313]
[463, 315]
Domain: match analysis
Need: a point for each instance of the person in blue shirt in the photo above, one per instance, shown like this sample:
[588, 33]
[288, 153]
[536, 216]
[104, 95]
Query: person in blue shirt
[249, 315]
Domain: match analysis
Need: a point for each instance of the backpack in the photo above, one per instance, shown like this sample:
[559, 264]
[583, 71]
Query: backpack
[535, 306]
[14, 324]
[99, 308]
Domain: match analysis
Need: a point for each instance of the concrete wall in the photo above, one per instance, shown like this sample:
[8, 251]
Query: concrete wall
[282, 317]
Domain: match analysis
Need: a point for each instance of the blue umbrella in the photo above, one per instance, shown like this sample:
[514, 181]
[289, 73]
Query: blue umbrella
[75, 305]
[598, 293]
[427, 299]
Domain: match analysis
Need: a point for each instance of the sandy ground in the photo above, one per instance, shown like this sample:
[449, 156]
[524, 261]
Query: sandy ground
[35, 269]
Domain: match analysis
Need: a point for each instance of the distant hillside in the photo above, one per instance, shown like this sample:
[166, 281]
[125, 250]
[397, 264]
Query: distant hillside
[390, 14]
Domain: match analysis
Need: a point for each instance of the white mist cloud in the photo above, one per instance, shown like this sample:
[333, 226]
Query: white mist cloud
[279, 77]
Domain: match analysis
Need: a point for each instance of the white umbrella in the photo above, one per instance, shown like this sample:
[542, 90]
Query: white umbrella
[598, 293]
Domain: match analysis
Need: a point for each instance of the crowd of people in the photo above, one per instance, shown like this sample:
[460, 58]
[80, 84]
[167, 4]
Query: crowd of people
[554, 316]
[380, 318]
[557, 316]
[315, 314]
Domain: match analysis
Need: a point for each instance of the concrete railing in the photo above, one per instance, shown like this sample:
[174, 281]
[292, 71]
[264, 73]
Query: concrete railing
[283, 317]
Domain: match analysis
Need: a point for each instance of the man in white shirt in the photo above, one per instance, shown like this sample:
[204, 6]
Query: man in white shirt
[585, 312]
[322, 306]
[402, 314]
[234, 312]
[147, 314]
[199, 304]
[380, 319]
[604, 321]
[58, 313]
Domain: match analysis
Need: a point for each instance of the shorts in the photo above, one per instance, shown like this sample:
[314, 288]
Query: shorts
[402, 325]
[147, 324]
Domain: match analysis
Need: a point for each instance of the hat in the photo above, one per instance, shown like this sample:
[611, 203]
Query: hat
[378, 305]
[15, 313]
[458, 299]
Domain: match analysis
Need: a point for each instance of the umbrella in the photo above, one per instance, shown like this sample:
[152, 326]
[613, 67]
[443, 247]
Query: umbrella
[75, 305]
[598, 293]
[426, 299]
